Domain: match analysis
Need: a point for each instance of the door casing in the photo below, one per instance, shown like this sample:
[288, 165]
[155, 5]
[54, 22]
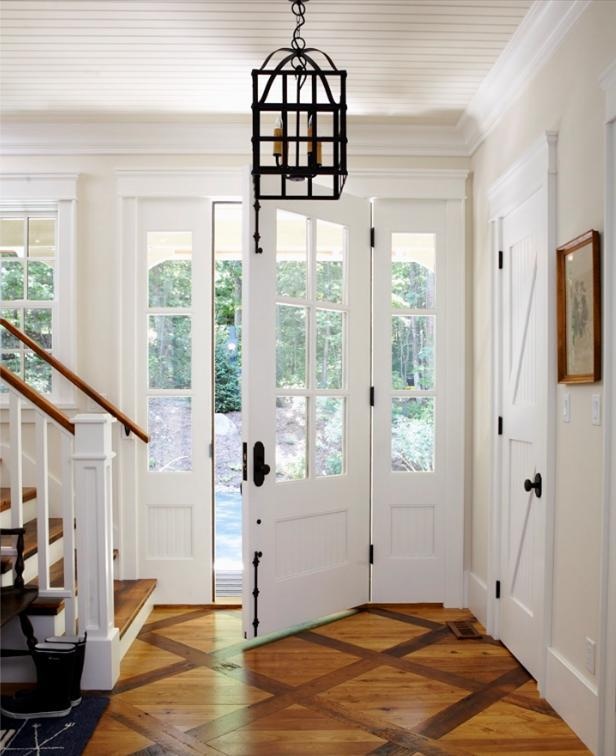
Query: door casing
[534, 172]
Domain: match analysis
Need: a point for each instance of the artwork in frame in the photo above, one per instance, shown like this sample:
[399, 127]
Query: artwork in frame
[579, 309]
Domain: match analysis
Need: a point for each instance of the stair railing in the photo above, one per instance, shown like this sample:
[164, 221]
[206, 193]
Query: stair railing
[86, 508]
[46, 414]
[130, 426]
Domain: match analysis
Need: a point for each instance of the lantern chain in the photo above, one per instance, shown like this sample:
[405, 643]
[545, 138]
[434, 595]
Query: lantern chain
[298, 43]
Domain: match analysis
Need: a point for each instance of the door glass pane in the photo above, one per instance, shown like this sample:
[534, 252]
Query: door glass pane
[169, 351]
[291, 437]
[290, 346]
[37, 325]
[330, 261]
[169, 268]
[11, 280]
[37, 373]
[412, 435]
[40, 281]
[412, 352]
[41, 237]
[329, 435]
[413, 259]
[291, 254]
[330, 336]
[170, 428]
[12, 237]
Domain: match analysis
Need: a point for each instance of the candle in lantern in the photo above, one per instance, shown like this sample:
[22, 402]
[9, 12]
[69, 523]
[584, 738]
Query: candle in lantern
[277, 149]
[319, 160]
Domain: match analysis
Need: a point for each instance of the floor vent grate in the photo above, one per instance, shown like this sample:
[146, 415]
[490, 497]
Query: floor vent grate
[464, 630]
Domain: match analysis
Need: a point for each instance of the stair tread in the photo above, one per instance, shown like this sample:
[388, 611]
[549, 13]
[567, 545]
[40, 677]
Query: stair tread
[28, 493]
[30, 540]
[129, 597]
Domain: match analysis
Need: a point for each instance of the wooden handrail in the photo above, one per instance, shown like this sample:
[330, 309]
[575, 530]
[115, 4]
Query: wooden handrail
[75, 380]
[38, 399]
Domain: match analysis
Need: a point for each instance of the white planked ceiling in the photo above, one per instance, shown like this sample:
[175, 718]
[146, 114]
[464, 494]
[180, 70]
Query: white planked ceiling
[418, 60]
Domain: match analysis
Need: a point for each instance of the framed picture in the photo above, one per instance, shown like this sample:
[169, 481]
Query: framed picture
[579, 309]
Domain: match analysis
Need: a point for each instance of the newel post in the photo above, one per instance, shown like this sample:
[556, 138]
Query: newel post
[94, 539]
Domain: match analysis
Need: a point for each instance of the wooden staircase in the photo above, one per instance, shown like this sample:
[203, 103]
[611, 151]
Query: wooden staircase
[132, 598]
[67, 517]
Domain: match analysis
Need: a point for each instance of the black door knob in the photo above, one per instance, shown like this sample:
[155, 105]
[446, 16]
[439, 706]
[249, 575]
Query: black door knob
[537, 485]
[259, 467]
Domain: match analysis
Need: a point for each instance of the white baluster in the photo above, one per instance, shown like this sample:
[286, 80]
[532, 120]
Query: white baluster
[15, 460]
[42, 500]
[68, 523]
[93, 507]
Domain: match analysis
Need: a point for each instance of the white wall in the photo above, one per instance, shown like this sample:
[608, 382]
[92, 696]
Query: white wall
[564, 96]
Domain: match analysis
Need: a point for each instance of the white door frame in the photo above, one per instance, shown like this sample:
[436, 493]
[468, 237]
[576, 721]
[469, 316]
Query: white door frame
[133, 186]
[607, 649]
[535, 171]
[390, 183]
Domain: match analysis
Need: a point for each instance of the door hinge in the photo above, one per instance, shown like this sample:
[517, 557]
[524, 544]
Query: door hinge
[501, 259]
[371, 556]
[500, 426]
[372, 396]
[244, 461]
[372, 236]
[497, 593]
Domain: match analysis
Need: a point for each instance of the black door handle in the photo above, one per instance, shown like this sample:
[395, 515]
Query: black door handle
[259, 468]
[537, 485]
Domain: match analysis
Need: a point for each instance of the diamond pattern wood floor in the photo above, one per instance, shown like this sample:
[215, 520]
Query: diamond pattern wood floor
[387, 681]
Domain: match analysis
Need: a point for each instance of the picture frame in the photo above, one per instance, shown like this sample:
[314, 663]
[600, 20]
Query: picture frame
[579, 309]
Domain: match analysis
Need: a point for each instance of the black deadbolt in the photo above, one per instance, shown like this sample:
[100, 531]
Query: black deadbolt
[537, 485]
[259, 468]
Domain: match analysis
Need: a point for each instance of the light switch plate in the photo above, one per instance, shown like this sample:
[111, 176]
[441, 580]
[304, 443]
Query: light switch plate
[566, 407]
[596, 409]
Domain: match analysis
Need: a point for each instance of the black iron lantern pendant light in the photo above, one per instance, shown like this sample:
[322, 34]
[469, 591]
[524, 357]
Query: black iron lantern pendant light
[298, 122]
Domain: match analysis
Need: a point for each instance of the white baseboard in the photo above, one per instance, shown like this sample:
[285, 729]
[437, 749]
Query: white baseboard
[478, 597]
[574, 697]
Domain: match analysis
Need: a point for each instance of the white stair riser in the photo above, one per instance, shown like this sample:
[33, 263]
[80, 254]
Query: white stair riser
[29, 514]
[31, 570]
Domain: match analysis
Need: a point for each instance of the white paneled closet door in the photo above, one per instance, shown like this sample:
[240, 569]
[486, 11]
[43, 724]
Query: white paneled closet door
[524, 443]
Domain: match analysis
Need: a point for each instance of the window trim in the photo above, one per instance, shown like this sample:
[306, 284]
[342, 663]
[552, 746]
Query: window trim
[53, 193]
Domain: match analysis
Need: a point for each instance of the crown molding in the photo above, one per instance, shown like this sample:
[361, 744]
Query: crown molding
[210, 137]
[541, 32]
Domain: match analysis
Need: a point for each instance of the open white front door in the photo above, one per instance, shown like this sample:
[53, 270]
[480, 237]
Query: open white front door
[306, 378]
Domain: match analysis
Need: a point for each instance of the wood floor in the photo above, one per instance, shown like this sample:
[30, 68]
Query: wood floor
[385, 681]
